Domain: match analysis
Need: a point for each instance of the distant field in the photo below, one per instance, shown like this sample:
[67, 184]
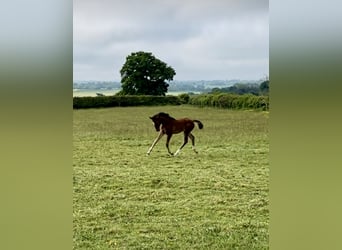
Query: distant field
[124, 199]
[92, 92]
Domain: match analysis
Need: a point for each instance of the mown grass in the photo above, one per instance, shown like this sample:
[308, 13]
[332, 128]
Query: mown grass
[124, 199]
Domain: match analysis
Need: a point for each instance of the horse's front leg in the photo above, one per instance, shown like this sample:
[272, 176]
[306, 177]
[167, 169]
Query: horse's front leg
[161, 133]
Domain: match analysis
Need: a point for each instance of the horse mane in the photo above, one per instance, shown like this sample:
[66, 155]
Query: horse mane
[165, 115]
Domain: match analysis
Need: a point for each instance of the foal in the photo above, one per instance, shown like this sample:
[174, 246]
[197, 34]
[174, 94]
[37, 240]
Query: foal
[165, 124]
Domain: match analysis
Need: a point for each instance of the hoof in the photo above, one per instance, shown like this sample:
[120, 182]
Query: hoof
[177, 152]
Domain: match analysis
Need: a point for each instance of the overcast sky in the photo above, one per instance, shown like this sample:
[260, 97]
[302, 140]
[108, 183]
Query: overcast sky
[200, 39]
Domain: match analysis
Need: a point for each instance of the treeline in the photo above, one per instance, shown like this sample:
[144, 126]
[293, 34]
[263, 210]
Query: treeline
[219, 100]
[245, 88]
[100, 85]
[203, 86]
[239, 89]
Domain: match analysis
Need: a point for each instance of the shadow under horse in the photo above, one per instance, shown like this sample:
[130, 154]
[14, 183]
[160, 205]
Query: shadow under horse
[165, 124]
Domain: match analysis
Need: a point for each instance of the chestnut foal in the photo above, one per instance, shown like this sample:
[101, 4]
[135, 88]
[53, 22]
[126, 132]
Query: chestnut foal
[165, 124]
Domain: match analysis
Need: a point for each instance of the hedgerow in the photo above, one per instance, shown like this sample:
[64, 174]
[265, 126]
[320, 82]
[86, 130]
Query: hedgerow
[123, 101]
[230, 101]
[219, 100]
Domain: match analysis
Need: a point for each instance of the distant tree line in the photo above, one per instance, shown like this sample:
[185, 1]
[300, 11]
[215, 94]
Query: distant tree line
[245, 88]
[96, 85]
[203, 86]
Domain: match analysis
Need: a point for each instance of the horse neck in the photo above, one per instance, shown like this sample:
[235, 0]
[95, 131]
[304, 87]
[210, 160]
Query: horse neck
[165, 120]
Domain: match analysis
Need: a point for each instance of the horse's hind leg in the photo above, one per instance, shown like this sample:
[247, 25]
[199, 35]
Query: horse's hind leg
[167, 143]
[192, 138]
[184, 143]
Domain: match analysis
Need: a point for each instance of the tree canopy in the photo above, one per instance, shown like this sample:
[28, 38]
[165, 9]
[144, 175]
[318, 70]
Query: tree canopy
[144, 74]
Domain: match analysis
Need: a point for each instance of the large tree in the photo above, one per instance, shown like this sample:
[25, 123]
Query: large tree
[144, 74]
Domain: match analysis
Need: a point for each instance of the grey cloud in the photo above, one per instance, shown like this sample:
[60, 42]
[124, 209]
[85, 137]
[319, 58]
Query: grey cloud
[200, 39]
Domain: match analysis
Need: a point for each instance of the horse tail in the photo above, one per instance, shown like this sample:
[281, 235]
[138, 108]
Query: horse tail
[200, 124]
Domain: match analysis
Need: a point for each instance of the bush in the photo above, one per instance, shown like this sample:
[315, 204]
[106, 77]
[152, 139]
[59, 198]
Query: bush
[184, 98]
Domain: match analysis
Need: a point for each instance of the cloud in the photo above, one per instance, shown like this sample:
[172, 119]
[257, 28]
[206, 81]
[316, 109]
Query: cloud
[199, 39]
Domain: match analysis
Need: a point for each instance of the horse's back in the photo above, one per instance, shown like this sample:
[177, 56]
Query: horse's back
[186, 123]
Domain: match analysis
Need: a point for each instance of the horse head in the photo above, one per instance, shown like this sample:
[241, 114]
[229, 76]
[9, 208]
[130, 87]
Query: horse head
[156, 122]
[159, 118]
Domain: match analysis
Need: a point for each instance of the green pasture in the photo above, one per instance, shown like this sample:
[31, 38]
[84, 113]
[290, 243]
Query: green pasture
[123, 199]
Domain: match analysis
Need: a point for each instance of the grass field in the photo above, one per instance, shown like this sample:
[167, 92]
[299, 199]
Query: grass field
[123, 199]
